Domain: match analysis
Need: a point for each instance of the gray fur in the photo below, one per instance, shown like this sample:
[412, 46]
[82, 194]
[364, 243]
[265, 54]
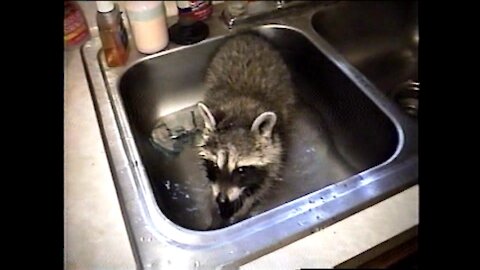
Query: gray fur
[247, 77]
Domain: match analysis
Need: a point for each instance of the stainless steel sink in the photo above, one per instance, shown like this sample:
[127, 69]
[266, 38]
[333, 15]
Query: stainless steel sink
[379, 38]
[351, 146]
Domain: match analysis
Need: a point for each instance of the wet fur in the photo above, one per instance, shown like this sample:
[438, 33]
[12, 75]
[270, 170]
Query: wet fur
[246, 78]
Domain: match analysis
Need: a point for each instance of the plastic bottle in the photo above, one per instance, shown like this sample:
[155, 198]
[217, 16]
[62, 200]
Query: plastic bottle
[112, 33]
[148, 23]
[199, 10]
[75, 27]
[190, 27]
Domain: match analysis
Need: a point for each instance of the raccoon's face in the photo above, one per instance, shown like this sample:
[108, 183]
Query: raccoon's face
[230, 189]
[239, 161]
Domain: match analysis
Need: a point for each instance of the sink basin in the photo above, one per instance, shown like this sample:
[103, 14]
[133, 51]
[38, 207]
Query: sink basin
[337, 132]
[351, 145]
[379, 38]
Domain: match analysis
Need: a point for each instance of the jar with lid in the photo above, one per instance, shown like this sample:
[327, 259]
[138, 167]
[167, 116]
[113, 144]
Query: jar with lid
[148, 23]
[75, 27]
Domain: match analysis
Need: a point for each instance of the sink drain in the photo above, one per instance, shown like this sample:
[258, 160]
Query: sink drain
[406, 95]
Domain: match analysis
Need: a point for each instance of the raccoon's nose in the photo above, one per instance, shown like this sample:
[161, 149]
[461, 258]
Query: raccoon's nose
[222, 198]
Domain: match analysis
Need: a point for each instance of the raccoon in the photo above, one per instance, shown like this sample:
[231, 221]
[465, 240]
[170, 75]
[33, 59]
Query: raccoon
[246, 110]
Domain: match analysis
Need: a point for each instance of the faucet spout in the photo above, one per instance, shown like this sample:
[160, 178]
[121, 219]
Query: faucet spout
[241, 11]
[232, 11]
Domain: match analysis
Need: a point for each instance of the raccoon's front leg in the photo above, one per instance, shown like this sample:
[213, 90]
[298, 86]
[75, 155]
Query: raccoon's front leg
[217, 221]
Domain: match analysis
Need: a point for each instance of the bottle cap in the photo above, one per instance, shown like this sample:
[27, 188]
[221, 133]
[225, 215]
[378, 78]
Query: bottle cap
[105, 6]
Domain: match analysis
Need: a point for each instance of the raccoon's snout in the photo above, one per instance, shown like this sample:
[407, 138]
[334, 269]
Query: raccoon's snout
[227, 208]
[222, 198]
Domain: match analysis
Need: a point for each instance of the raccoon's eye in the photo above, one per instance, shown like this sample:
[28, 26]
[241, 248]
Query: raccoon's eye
[242, 171]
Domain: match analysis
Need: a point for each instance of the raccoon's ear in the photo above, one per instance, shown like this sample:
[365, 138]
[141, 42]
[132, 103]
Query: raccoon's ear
[264, 124]
[207, 116]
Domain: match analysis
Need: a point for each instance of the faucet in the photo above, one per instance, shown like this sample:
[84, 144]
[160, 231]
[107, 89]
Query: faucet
[239, 10]
[232, 10]
[280, 3]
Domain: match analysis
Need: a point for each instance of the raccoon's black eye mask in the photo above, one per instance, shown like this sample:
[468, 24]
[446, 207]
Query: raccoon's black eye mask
[212, 169]
[249, 176]
[246, 176]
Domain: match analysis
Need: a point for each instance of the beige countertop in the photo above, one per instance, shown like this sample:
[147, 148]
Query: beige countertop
[95, 234]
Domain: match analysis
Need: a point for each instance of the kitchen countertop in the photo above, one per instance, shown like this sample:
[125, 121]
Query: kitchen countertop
[95, 234]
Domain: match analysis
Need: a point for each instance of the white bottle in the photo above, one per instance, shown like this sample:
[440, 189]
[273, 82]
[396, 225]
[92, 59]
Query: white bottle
[148, 24]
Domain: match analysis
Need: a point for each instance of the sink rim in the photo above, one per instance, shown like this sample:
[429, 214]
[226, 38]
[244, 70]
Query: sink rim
[233, 228]
[142, 205]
